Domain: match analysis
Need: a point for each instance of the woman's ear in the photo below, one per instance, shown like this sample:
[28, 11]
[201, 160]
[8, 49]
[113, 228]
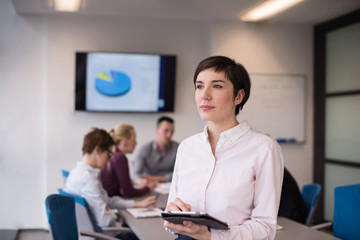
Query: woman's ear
[124, 142]
[239, 96]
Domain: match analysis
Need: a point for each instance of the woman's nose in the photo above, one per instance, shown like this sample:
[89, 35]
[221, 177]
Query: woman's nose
[206, 94]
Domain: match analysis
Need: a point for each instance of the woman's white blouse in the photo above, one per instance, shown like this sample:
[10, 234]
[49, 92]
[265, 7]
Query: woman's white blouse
[240, 185]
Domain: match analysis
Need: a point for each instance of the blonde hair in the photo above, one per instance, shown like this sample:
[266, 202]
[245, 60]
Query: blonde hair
[121, 131]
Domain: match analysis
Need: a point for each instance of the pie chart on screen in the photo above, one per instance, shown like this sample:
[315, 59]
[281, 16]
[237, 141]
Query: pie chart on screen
[112, 83]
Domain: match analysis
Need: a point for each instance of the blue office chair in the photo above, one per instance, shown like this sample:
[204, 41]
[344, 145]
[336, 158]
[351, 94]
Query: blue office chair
[60, 211]
[346, 222]
[86, 220]
[64, 174]
[310, 194]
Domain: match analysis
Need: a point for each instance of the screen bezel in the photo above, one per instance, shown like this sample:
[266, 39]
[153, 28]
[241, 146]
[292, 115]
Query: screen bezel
[167, 82]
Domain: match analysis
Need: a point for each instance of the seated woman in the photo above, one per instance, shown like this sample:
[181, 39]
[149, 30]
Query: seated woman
[83, 180]
[115, 177]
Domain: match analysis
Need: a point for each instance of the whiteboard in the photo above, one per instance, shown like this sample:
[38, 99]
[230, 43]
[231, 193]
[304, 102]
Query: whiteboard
[277, 106]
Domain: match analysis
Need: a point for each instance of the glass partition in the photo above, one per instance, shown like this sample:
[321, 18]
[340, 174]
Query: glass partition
[342, 61]
[342, 126]
[336, 175]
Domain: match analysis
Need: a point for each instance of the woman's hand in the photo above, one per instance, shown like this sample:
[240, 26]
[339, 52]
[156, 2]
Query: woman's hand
[178, 205]
[156, 179]
[140, 182]
[191, 229]
[146, 202]
[151, 185]
[187, 228]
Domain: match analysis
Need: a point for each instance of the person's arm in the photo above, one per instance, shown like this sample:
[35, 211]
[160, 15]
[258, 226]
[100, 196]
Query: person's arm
[97, 201]
[188, 228]
[174, 181]
[116, 202]
[85, 184]
[149, 178]
[121, 168]
[262, 222]
[167, 177]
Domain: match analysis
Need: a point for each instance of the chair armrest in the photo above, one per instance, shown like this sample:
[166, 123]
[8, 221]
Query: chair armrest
[116, 229]
[97, 235]
[322, 225]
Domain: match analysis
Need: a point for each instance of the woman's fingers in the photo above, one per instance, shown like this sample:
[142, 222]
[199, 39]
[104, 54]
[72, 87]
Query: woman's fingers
[178, 205]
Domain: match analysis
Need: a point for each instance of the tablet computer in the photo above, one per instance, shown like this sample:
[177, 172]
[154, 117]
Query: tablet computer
[197, 217]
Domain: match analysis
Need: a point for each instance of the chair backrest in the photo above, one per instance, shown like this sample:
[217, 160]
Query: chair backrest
[346, 224]
[64, 174]
[60, 212]
[310, 194]
[85, 219]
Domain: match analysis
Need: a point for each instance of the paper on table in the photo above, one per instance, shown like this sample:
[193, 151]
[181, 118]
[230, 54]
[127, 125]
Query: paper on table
[279, 227]
[145, 212]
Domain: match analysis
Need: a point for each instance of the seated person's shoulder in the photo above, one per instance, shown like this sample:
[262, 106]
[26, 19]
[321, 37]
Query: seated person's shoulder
[82, 184]
[144, 151]
[146, 146]
[174, 144]
[79, 176]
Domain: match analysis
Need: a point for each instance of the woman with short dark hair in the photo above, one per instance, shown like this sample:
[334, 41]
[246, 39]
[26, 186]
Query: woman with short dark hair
[229, 171]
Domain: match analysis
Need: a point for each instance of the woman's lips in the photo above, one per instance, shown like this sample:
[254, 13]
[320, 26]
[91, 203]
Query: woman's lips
[206, 107]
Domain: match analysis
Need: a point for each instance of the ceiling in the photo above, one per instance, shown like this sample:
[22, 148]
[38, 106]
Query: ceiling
[307, 12]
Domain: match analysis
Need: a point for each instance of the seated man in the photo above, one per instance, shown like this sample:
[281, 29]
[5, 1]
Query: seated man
[155, 160]
[84, 180]
[292, 204]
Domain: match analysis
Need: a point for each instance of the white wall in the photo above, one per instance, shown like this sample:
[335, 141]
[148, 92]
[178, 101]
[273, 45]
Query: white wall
[22, 161]
[66, 127]
[283, 49]
[42, 134]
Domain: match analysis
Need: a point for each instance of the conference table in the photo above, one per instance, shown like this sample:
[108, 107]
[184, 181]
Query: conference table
[294, 230]
[152, 228]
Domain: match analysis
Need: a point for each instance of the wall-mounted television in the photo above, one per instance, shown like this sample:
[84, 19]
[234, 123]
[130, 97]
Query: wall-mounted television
[124, 82]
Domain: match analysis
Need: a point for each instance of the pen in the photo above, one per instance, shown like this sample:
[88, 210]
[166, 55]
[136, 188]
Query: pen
[157, 196]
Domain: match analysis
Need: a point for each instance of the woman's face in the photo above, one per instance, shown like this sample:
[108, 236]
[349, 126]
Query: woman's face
[103, 157]
[214, 96]
[127, 145]
[131, 142]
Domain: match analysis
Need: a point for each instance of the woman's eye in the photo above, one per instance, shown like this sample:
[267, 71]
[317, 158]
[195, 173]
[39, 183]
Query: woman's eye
[199, 86]
[217, 86]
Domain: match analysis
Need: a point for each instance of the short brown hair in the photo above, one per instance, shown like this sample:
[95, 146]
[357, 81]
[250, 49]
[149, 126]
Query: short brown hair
[164, 118]
[233, 71]
[96, 138]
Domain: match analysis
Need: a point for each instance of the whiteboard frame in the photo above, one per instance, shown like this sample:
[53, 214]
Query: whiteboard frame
[277, 106]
